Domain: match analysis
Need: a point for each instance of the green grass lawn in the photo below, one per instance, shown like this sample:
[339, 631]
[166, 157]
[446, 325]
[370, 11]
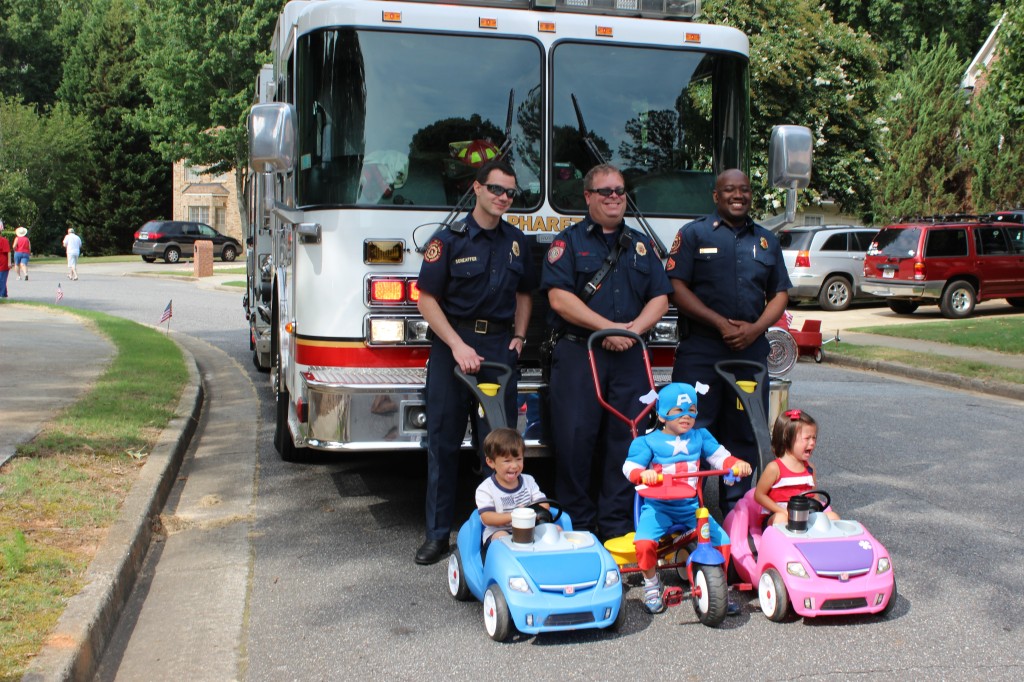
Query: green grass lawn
[1005, 335]
[60, 492]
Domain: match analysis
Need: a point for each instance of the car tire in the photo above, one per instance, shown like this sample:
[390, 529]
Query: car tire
[149, 259]
[457, 585]
[1016, 302]
[229, 253]
[497, 619]
[713, 598]
[836, 293]
[903, 307]
[172, 254]
[773, 596]
[891, 604]
[958, 300]
[620, 618]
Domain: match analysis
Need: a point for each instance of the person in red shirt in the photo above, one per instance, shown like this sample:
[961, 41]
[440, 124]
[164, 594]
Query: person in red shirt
[5, 264]
[22, 252]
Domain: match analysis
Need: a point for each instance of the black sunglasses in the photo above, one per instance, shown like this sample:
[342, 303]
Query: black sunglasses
[608, 191]
[498, 190]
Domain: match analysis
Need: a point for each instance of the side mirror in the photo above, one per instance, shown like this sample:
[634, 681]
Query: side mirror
[272, 137]
[789, 163]
[789, 157]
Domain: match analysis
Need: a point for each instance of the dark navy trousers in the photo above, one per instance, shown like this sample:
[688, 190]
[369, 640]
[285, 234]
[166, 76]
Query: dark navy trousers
[591, 444]
[449, 404]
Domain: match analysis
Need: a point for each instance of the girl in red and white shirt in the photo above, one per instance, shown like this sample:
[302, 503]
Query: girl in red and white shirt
[793, 440]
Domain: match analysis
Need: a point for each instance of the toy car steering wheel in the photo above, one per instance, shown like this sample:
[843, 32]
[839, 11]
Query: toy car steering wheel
[815, 497]
[543, 514]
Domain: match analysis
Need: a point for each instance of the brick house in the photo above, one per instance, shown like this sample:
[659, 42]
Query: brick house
[209, 199]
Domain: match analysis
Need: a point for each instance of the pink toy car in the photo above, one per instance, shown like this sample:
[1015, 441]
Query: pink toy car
[830, 568]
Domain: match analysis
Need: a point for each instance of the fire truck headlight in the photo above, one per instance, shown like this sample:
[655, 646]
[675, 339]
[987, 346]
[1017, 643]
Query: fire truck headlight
[416, 330]
[664, 332]
[386, 331]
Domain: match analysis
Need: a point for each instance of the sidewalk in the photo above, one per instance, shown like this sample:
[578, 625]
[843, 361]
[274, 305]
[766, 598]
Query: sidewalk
[48, 359]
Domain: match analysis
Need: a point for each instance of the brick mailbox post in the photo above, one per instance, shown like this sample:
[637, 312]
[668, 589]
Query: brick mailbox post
[202, 262]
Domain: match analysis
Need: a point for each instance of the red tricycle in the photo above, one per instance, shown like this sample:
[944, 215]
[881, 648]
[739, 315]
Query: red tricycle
[687, 550]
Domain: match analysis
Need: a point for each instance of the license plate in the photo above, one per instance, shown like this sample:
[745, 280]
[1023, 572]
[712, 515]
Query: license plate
[888, 274]
[143, 235]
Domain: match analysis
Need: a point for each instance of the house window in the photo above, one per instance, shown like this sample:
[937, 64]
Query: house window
[192, 175]
[199, 214]
[812, 220]
[218, 218]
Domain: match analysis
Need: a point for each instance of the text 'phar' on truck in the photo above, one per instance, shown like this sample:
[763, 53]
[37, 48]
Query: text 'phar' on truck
[368, 128]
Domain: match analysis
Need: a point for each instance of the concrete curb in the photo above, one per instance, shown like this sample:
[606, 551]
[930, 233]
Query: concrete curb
[997, 388]
[73, 650]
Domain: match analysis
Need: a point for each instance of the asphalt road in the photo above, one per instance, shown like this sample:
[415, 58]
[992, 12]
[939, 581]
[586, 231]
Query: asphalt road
[332, 592]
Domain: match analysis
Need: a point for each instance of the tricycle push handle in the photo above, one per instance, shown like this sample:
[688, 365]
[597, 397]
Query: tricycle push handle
[493, 404]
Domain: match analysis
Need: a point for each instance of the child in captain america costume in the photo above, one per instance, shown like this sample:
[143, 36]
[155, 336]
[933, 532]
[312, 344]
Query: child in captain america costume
[675, 448]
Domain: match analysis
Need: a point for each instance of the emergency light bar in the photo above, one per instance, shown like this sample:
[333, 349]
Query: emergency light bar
[684, 10]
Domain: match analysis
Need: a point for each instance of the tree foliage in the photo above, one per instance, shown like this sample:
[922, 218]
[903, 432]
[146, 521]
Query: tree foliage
[903, 26]
[42, 162]
[995, 126]
[809, 70]
[103, 82]
[923, 169]
[201, 62]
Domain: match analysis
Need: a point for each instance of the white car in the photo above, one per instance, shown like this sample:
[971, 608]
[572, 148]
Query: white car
[826, 263]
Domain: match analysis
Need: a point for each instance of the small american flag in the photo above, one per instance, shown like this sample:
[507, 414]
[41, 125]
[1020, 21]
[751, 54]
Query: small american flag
[60, 294]
[167, 314]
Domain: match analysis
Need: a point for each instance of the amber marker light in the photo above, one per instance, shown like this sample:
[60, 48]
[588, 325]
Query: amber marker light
[289, 327]
[545, 27]
[488, 23]
[391, 17]
[693, 37]
[603, 32]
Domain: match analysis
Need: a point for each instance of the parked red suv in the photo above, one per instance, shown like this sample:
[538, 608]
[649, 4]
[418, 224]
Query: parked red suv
[953, 264]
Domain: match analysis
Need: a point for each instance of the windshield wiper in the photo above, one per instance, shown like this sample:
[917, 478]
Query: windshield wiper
[598, 158]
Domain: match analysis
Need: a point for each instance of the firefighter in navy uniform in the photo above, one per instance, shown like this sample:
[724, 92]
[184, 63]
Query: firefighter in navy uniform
[475, 285]
[590, 443]
[730, 285]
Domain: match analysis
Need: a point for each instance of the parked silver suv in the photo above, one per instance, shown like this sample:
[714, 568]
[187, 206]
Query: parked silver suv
[826, 263]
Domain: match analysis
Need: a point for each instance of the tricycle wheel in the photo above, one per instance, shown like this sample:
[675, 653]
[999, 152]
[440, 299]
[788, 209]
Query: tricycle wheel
[710, 594]
[680, 556]
[497, 619]
[772, 594]
[456, 580]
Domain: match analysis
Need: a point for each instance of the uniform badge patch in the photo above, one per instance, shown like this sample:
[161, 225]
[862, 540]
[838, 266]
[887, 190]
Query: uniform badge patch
[676, 242]
[764, 243]
[515, 249]
[433, 251]
[670, 264]
[556, 251]
[641, 250]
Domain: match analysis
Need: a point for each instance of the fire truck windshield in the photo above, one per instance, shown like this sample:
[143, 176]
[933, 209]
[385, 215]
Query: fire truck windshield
[668, 118]
[405, 119]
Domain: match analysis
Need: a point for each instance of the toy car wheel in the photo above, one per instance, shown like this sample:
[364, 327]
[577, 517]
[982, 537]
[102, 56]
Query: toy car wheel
[818, 355]
[497, 619]
[884, 613]
[710, 594]
[456, 580]
[620, 619]
[772, 594]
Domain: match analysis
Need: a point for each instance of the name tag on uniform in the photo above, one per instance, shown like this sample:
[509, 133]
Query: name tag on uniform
[709, 249]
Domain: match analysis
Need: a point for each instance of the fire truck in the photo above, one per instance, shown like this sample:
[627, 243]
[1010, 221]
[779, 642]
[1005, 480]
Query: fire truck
[368, 127]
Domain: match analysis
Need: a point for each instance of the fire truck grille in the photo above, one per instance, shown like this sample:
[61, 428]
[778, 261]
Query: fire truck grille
[368, 377]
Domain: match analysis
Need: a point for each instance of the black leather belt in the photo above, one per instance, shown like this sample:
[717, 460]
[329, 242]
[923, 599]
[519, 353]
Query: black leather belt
[575, 338]
[482, 326]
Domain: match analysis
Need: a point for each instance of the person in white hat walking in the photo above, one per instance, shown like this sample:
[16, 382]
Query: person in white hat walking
[73, 244]
[22, 252]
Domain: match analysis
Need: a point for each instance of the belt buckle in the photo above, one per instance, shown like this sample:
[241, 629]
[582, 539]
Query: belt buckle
[480, 326]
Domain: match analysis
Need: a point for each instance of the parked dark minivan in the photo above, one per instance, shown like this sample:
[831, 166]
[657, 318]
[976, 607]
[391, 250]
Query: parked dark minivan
[173, 239]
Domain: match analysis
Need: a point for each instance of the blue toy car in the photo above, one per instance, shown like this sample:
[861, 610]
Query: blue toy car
[563, 580]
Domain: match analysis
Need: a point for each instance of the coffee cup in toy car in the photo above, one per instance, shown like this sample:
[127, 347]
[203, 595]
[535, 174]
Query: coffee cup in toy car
[799, 509]
[524, 520]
